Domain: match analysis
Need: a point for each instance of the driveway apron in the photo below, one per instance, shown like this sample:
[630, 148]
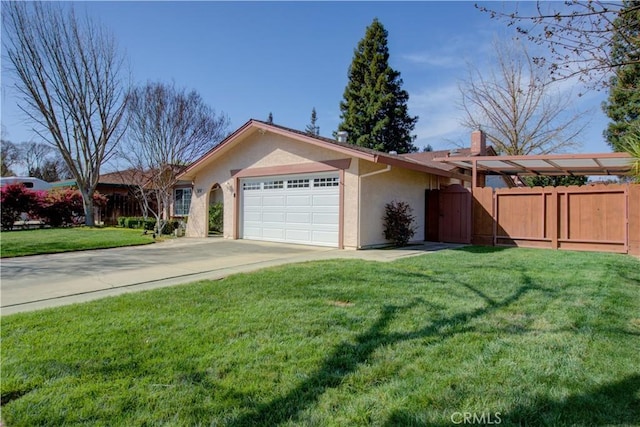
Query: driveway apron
[49, 280]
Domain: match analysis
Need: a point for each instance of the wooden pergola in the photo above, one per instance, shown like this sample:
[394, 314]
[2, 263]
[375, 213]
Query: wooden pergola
[543, 164]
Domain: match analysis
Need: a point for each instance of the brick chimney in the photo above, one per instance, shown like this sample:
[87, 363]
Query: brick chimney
[478, 143]
[478, 148]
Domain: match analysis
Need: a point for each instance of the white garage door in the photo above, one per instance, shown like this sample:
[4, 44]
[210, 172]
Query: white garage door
[295, 209]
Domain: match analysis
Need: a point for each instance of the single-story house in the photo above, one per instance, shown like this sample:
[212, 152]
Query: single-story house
[119, 190]
[122, 189]
[283, 185]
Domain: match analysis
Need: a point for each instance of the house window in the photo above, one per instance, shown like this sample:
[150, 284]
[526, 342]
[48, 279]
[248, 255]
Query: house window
[182, 201]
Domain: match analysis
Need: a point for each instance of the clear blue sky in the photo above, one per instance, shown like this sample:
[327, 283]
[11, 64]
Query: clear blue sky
[251, 58]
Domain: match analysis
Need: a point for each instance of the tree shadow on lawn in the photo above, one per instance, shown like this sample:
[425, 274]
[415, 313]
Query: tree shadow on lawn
[347, 357]
[475, 249]
[612, 404]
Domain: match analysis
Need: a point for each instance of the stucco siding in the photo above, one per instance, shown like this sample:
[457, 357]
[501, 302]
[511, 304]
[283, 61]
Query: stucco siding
[395, 185]
[351, 207]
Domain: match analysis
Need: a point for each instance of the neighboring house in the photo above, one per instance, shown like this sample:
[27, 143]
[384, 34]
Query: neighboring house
[122, 189]
[29, 182]
[119, 188]
[283, 185]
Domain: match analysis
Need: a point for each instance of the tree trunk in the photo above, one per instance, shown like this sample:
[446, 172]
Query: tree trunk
[87, 204]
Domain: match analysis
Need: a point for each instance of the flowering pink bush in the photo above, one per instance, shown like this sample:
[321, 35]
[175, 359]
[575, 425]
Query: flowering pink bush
[15, 200]
[59, 206]
[55, 207]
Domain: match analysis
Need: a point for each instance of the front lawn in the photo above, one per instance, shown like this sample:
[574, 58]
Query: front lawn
[54, 240]
[510, 337]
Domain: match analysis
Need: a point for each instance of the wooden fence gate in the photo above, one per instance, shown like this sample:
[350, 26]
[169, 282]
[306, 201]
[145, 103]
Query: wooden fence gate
[448, 216]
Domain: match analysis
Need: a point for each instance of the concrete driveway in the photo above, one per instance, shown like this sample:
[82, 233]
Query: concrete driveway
[35, 282]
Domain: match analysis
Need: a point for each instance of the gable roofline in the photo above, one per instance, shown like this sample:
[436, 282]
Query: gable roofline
[253, 125]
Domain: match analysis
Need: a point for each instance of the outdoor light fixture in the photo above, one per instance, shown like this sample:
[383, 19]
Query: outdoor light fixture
[198, 190]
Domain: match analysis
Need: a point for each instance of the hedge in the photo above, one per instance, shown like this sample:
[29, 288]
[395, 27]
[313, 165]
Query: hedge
[146, 224]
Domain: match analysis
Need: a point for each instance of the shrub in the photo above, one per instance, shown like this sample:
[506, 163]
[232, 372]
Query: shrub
[16, 200]
[137, 222]
[60, 206]
[55, 207]
[148, 224]
[398, 223]
[63, 206]
[216, 217]
[170, 226]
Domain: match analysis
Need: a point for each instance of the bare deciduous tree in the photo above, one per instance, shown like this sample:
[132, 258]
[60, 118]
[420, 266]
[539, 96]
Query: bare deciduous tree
[69, 79]
[43, 161]
[10, 156]
[168, 129]
[34, 155]
[515, 105]
[578, 34]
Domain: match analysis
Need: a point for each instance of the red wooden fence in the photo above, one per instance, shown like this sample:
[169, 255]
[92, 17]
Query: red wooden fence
[591, 218]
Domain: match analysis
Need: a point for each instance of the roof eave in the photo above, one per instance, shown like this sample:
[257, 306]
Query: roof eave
[420, 167]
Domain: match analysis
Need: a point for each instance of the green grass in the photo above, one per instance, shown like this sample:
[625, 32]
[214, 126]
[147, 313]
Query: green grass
[529, 337]
[55, 240]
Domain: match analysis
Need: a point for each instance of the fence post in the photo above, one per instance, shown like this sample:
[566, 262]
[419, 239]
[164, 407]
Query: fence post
[554, 207]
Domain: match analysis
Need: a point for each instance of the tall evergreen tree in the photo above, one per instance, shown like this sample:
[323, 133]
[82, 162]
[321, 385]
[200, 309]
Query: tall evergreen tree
[374, 109]
[312, 128]
[623, 105]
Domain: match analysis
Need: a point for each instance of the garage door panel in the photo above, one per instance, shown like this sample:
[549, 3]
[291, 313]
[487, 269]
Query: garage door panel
[325, 219]
[278, 201]
[273, 217]
[299, 200]
[298, 218]
[252, 232]
[253, 217]
[273, 233]
[292, 212]
[325, 200]
[299, 226]
[252, 201]
[298, 235]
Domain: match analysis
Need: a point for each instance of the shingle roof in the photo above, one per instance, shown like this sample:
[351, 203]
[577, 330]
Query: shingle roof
[427, 166]
[428, 156]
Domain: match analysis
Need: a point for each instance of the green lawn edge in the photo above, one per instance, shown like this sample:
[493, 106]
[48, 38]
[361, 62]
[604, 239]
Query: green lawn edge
[23, 243]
